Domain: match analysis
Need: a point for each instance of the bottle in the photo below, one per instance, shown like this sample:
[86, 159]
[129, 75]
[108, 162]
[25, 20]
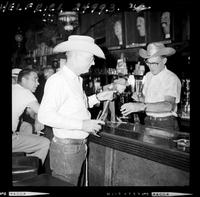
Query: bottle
[141, 70]
[97, 85]
[121, 66]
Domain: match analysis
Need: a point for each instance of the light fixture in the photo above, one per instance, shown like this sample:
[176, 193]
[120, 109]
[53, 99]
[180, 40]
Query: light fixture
[19, 37]
[69, 19]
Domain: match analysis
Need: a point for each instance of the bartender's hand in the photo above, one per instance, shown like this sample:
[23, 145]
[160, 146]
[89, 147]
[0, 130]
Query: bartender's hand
[92, 126]
[128, 108]
[105, 95]
[136, 98]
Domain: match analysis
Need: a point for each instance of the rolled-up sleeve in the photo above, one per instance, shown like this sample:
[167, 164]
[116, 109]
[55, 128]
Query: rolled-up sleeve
[92, 100]
[173, 88]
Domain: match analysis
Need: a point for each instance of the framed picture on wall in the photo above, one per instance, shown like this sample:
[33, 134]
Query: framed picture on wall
[114, 31]
[159, 25]
[181, 25]
[135, 29]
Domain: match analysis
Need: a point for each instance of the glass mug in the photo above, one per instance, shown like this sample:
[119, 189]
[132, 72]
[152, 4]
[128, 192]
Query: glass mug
[138, 87]
[119, 101]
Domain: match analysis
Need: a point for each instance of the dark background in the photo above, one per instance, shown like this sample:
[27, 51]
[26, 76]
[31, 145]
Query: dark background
[9, 23]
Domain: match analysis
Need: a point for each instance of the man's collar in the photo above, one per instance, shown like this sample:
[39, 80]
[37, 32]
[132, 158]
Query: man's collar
[69, 72]
[19, 85]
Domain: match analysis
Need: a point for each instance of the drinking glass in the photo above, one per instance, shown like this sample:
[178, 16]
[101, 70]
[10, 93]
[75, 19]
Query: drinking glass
[138, 87]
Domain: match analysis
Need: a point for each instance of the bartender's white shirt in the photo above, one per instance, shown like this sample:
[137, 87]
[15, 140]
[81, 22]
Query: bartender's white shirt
[64, 105]
[156, 87]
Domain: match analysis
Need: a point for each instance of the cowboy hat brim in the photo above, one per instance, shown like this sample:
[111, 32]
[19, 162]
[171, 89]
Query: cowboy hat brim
[72, 45]
[167, 51]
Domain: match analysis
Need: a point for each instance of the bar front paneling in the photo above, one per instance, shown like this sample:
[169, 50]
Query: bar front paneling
[123, 157]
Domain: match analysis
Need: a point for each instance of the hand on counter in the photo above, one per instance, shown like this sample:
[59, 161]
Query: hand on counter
[128, 108]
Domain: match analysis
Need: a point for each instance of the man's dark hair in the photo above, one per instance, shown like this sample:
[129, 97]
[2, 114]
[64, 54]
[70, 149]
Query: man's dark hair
[24, 73]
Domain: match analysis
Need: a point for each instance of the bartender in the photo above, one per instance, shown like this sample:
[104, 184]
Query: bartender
[161, 91]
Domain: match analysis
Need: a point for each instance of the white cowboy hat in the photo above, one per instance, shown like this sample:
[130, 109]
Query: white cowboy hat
[156, 49]
[79, 43]
[15, 72]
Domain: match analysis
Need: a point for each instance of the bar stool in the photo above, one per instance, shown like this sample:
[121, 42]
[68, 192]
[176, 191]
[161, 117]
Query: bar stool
[24, 167]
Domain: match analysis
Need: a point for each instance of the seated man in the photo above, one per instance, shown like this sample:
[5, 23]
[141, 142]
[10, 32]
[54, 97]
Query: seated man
[23, 125]
[22, 97]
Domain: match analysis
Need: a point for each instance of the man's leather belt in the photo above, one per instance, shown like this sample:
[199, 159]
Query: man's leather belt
[159, 118]
[69, 141]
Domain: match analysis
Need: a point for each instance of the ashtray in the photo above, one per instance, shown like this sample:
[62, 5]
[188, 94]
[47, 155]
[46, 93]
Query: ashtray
[182, 144]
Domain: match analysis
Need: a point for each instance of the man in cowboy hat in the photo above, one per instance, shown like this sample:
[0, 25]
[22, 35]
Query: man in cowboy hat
[64, 107]
[161, 92]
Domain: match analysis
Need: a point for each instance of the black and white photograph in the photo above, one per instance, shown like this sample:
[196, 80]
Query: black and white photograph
[99, 100]
[136, 29]
[114, 30]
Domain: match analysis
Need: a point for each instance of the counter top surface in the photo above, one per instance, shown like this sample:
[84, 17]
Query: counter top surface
[167, 147]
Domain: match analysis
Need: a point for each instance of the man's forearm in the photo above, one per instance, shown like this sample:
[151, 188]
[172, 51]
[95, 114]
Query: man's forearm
[164, 106]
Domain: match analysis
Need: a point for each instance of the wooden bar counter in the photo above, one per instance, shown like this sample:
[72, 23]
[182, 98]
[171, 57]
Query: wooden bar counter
[135, 155]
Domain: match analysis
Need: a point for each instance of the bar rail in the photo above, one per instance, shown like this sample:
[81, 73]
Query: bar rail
[157, 148]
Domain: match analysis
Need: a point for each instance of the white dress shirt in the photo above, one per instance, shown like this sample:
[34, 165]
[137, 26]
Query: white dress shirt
[21, 97]
[64, 105]
[156, 87]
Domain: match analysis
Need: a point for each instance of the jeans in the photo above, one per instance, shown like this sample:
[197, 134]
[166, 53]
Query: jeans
[66, 160]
